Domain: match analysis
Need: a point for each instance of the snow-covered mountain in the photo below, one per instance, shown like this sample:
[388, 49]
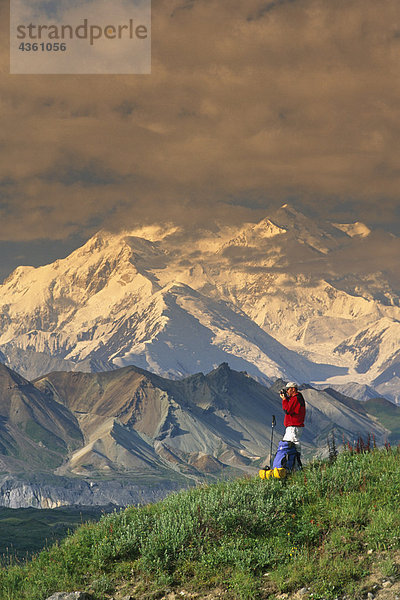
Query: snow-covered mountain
[276, 299]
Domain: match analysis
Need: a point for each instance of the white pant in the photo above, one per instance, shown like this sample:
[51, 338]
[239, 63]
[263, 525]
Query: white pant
[293, 434]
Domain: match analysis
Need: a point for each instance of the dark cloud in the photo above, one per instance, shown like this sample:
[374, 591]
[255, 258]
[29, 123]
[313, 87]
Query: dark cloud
[299, 101]
[74, 171]
[34, 253]
[267, 7]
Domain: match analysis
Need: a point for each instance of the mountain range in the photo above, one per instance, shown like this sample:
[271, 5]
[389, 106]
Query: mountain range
[289, 297]
[128, 435]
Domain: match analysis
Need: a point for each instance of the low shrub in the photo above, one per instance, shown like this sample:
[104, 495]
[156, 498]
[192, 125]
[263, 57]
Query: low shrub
[314, 529]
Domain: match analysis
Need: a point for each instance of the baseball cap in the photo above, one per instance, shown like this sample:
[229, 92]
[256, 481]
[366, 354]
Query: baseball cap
[291, 384]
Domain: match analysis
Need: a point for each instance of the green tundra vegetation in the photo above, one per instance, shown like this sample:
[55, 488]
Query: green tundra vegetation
[325, 528]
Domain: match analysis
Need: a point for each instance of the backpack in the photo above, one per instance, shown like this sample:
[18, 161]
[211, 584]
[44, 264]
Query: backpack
[286, 459]
[286, 456]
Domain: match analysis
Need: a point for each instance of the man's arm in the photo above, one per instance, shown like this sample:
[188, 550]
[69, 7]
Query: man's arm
[290, 405]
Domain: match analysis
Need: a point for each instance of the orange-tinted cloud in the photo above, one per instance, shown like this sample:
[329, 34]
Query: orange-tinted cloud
[248, 103]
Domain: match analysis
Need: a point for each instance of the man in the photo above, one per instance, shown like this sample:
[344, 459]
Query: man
[294, 406]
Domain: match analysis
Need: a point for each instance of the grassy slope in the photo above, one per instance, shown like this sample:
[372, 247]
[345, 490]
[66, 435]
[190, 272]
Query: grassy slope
[324, 528]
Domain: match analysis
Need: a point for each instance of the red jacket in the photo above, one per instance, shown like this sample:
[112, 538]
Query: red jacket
[295, 409]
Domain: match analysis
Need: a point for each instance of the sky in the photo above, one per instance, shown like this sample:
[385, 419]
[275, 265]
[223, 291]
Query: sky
[249, 104]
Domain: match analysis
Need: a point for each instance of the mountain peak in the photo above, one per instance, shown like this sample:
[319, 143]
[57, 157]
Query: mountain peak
[268, 302]
[267, 229]
[322, 237]
[10, 379]
[297, 227]
[289, 217]
[222, 368]
[357, 229]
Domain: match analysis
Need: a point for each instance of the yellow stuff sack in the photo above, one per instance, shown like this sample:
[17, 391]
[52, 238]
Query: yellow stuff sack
[268, 473]
[280, 473]
[265, 473]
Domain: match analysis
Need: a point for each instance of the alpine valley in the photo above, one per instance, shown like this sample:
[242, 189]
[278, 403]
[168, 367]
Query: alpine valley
[151, 359]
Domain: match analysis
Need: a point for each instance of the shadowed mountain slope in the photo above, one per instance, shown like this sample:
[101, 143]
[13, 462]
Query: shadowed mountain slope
[135, 427]
[225, 414]
[35, 431]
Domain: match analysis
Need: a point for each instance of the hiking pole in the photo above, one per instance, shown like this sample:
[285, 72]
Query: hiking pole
[272, 437]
